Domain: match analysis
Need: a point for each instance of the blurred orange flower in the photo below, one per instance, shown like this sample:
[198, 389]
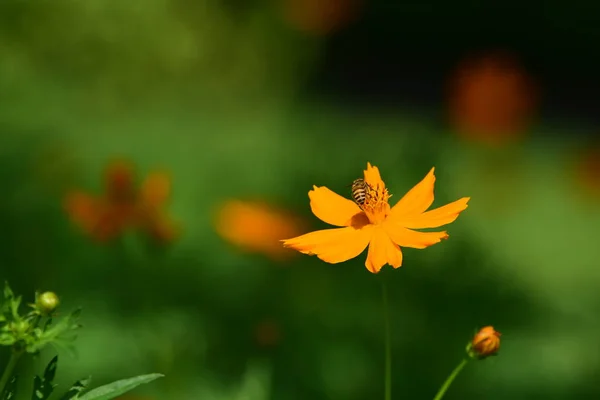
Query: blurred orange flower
[320, 17]
[123, 205]
[257, 227]
[485, 343]
[375, 224]
[491, 99]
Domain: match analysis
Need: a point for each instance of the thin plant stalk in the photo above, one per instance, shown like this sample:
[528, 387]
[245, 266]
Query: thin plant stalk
[388, 344]
[450, 379]
[10, 368]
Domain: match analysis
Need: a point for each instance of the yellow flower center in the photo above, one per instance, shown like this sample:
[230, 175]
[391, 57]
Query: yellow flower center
[376, 205]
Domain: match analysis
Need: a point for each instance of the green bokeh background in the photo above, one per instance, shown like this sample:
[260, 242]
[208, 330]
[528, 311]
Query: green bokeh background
[211, 94]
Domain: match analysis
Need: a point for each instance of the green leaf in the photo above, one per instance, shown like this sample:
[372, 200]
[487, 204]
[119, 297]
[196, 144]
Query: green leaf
[10, 390]
[117, 388]
[62, 331]
[8, 293]
[6, 339]
[77, 388]
[48, 324]
[50, 371]
[43, 388]
[15, 303]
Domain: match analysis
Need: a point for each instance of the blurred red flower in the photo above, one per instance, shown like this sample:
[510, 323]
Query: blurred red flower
[320, 17]
[123, 205]
[492, 99]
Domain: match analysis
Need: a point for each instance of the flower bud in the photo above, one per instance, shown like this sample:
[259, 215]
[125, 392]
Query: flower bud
[485, 343]
[19, 328]
[47, 302]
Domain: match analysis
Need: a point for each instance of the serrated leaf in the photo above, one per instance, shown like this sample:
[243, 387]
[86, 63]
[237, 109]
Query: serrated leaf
[63, 330]
[15, 303]
[10, 390]
[8, 293]
[117, 388]
[50, 371]
[41, 389]
[77, 388]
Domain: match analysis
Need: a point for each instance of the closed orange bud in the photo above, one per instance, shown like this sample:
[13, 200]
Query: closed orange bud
[485, 343]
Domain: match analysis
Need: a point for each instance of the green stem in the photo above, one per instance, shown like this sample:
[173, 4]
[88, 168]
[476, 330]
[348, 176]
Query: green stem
[10, 368]
[450, 379]
[388, 344]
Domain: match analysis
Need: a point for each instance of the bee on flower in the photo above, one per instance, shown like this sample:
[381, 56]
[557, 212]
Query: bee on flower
[384, 229]
[360, 190]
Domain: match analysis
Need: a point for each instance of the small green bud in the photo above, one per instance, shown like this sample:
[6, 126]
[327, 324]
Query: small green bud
[47, 302]
[18, 328]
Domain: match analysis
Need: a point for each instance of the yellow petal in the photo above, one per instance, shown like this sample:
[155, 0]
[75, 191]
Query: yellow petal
[155, 190]
[437, 217]
[404, 237]
[418, 199]
[333, 245]
[373, 178]
[382, 251]
[332, 208]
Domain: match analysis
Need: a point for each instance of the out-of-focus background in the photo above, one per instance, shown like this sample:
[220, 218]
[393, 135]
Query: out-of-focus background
[245, 105]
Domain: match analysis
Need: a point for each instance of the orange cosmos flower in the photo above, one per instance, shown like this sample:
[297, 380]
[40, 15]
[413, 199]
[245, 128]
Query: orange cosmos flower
[257, 227]
[154, 195]
[375, 224]
[123, 205]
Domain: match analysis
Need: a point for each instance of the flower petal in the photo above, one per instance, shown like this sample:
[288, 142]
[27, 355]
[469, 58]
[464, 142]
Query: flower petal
[382, 251]
[373, 177]
[96, 217]
[333, 245]
[257, 227]
[162, 229]
[119, 178]
[404, 237]
[418, 199]
[83, 209]
[332, 208]
[437, 217]
[155, 190]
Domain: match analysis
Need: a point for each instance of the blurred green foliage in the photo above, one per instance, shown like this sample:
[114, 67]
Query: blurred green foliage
[208, 92]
